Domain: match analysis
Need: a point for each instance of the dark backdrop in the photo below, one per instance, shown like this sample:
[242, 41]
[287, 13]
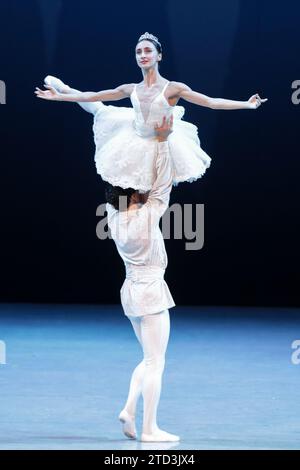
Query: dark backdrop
[49, 186]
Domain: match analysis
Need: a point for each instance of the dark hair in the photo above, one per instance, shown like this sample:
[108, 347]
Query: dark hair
[113, 196]
[157, 46]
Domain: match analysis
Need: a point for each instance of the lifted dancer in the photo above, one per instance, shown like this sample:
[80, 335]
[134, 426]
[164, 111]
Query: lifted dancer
[125, 137]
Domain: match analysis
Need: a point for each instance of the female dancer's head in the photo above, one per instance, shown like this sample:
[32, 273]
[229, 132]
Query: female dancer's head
[148, 52]
[121, 198]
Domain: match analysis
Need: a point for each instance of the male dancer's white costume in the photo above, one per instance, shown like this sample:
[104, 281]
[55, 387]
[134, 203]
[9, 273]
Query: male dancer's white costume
[145, 295]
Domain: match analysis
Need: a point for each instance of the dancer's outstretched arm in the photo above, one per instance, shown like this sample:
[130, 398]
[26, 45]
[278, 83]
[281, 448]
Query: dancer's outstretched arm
[61, 87]
[87, 106]
[90, 107]
[119, 93]
[185, 92]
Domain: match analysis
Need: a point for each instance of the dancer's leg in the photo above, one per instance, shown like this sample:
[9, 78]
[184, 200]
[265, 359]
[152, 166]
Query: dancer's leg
[155, 331]
[136, 382]
[127, 415]
[152, 331]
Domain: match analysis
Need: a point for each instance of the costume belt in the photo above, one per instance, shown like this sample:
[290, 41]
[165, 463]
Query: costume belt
[141, 272]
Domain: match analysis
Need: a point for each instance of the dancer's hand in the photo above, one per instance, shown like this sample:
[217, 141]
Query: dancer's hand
[50, 94]
[165, 129]
[255, 101]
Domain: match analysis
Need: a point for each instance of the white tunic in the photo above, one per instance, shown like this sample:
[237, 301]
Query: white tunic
[140, 243]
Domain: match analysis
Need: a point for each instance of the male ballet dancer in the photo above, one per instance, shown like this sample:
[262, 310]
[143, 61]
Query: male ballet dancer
[133, 219]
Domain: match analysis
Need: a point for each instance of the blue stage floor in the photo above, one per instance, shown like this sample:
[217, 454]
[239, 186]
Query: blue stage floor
[229, 381]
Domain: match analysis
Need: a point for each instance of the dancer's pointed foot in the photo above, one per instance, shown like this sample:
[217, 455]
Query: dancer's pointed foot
[128, 422]
[58, 84]
[159, 436]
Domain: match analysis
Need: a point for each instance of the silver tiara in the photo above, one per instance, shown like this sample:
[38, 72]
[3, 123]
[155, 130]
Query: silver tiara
[149, 36]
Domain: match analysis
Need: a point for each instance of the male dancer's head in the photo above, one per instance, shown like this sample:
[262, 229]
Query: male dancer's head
[124, 199]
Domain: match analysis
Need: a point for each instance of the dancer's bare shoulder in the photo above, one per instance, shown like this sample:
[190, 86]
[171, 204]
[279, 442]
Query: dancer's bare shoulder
[126, 89]
[176, 88]
[173, 92]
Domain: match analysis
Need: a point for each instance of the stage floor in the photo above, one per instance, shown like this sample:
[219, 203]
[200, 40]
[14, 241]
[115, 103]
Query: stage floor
[229, 381]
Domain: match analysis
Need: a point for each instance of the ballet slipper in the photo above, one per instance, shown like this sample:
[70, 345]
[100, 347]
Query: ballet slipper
[159, 436]
[56, 83]
[128, 422]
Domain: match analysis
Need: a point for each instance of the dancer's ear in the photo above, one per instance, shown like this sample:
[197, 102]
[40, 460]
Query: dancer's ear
[139, 198]
[135, 198]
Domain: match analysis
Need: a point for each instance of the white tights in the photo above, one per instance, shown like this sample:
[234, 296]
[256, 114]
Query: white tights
[153, 333]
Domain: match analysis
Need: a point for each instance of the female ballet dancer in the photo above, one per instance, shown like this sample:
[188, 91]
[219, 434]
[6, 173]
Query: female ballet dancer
[125, 137]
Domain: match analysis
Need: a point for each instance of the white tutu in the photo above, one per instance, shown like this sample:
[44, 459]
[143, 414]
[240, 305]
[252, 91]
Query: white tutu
[126, 145]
